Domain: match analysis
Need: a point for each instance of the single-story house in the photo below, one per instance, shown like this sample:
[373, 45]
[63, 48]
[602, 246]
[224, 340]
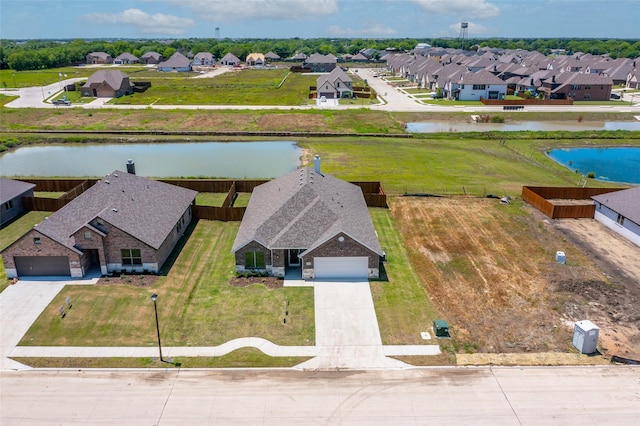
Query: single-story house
[122, 223]
[11, 193]
[271, 56]
[320, 63]
[255, 60]
[337, 84]
[204, 59]
[107, 84]
[298, 57]
[230, 60]
[176, 63]
[99, 58]
[620, 211]
[126, 59]
[309, 222]
[151, 58]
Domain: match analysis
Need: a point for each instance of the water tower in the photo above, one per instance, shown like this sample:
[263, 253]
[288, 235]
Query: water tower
[217, 33]
[464, 32]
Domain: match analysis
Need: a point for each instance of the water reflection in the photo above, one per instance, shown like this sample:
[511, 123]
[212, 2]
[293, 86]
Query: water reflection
[525, 125]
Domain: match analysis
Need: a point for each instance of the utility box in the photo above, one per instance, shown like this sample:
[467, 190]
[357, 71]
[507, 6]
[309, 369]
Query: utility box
[561, 258]
[585, 336]
[441, 328]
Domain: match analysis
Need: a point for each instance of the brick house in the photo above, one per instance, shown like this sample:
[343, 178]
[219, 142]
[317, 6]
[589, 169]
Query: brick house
[320, 63]
[126, 59]
[95, 58]
[309, 222]
[151, 58]
[230, 60]
[107, 84]
[122, 223]
[11, 193]
[577, 86]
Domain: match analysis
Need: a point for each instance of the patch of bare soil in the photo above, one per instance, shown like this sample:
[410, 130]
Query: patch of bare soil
[288, 122]
[269, 282]
[490, 271]
[138, 280]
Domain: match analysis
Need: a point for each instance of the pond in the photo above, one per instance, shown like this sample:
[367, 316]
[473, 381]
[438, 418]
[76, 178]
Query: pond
[436, 127]
[239, 160]
[608, 164]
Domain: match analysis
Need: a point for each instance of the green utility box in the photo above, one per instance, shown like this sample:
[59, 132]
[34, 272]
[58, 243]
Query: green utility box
[441, 328]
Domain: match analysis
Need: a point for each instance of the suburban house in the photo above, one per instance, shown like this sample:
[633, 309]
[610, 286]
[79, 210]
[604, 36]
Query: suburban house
[471, 86]
[11, 193]
[122, 223]
[255, 60]
[577, 86]
[99, 58]
[107, 84]
[337, 84]
[310, 223]
[230, 60]
[204, 59]
[176, 63]
[620, 211]
[151, 58]
[298, 57]
[271, 56]
[320, 63]
[126, 59]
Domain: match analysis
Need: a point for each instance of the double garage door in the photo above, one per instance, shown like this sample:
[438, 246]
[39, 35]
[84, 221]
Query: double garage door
[42, 266]
[341, 267]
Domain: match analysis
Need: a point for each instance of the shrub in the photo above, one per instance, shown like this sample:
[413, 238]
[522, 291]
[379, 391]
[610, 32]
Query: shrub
[497, 119]
[591, 175]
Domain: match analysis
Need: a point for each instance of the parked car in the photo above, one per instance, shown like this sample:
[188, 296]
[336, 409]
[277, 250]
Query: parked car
[61, 102]
[615, 96]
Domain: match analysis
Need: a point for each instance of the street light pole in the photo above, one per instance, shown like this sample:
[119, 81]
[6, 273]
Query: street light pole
[154, 297]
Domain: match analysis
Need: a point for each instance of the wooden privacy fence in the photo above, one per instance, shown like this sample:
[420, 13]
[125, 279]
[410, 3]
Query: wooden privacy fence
[539, 196]
[373, 192]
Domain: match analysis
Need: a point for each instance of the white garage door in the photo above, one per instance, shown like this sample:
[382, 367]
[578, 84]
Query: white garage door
[341, 267]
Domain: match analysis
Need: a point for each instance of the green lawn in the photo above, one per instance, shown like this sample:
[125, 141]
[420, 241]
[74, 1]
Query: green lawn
[402, 306]
[246, 87]
[214, 199]
[196, 305]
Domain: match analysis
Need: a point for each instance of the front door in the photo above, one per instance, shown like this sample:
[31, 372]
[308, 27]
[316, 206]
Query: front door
[292, 258]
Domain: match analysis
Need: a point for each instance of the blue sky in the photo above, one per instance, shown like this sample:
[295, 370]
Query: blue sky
[31, 19]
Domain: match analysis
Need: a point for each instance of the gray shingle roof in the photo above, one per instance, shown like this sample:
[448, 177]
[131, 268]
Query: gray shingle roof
[10, 189]
[112, 78]
[177, 60]
[145, 209]
[304, 209]
[625, 202]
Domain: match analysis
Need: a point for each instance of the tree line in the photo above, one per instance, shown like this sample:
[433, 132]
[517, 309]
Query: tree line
[44, 54]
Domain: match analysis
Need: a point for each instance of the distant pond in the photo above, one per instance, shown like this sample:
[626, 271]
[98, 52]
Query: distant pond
[436, 127]
[239, 160]
[608, 164]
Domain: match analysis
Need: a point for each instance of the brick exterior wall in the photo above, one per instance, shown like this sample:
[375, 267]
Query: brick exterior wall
[95, 242]
[47, 247]
[253, 246]
[176, 233]
[334, 248]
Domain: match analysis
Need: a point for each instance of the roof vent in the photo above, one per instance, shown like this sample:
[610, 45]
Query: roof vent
[114, 210]
[107, 181]
[115, 175]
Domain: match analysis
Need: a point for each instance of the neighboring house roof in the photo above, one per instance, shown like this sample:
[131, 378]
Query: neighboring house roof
[143, 208]
[336, 75]
[229, 57]
[568, 78]
[255, 57]
[177, 60]
[203, 56]
[127, 57]
[304, 209]
[299, 57]
[359, 57]
[112, 78]
[272, 56]
[10, 189]
[152, 55]
[625, 202]
[318, 58]
[480, 77]
[102, 55]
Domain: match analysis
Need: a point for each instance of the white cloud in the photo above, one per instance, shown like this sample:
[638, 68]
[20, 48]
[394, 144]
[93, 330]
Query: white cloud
[477, 9]
[145, 23]
[371, 29]
[220, 11]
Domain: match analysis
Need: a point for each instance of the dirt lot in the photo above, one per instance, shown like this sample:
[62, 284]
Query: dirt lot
[490, 271]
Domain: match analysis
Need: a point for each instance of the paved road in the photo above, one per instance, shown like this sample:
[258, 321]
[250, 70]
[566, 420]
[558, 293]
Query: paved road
[440, 396]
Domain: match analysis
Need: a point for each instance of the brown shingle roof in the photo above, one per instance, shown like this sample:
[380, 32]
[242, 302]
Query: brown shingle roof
[145, 209]
[304, 209]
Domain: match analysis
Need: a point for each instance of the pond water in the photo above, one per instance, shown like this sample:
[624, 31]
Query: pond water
[240, 160]
[609, 164]
[525, 125]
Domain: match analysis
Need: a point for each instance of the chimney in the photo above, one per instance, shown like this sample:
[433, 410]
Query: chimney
[316, 164]
[131, 167]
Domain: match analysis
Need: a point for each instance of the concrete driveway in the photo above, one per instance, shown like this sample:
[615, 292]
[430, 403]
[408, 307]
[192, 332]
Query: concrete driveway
[20, 305]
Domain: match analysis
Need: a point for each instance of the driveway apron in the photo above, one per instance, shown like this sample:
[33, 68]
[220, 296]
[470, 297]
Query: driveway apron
[20, 305]
[347, 333]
